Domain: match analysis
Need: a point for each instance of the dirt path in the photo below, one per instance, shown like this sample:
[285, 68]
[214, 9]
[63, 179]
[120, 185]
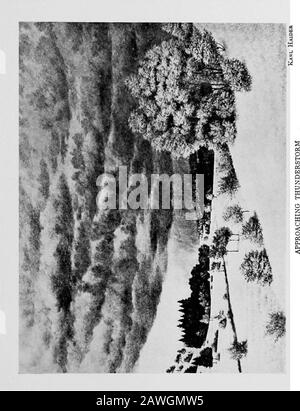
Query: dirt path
[230, 312]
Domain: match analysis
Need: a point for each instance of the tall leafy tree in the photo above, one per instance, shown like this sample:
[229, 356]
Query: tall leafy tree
[220, 242]
[256, 267]
[252, 230]
[234, 213]
[229, 183]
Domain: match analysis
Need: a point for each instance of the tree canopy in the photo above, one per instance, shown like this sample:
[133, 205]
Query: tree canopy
[237, 74]
[256, 267]
[184, 89]
[276, 325]
[220, 242]
[252, 230]
[228, 183]
[238, 350]
[234, 213]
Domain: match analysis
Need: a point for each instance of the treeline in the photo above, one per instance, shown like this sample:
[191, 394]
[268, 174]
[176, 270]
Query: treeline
[196, 309]
[194, 320]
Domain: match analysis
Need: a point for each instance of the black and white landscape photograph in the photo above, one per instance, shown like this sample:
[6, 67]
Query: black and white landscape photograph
[153, 198]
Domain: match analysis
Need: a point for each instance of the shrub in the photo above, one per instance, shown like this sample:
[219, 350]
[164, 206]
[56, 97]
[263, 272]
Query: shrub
[238, 350]
[276, 325]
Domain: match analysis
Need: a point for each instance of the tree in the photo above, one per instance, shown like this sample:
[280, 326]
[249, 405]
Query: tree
[64, 225]
[61, 278]
[29, 255]
[224, 163]
[276, 325]
[82, 252]
[234, 213]
[237, 74]
[44, 180]
[238, 350]
[220, 242]
[184, 101]
[256, 267]
[77, 158]
[252, 230]
[229, 183]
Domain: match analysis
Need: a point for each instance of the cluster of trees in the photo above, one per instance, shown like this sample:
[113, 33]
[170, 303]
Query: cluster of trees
[194, 308]
[62, 278]
[49, 95]
[256, 266]
[202, 162]
[184, 96]
[78, 279]
[30, 260]
[185, 92]
[100, 267]
[205, 358]
[219, 250]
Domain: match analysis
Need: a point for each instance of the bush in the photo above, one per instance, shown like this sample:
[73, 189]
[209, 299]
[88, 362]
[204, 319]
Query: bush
[238, 350]
[205, 359]
[276, 325]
